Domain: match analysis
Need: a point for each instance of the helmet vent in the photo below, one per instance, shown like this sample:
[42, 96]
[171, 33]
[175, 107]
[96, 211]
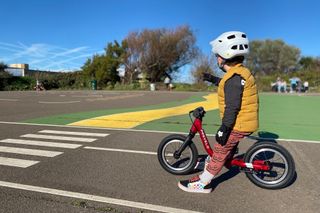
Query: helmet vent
[241, 47]
[244, 36]
[234, 47]
[231, 37]
[246, 46]
[220, 40]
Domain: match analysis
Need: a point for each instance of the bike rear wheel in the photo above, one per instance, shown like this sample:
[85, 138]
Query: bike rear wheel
[185, 163]
[282, 167]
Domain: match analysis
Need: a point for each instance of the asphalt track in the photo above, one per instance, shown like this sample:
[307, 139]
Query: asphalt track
[103, 176]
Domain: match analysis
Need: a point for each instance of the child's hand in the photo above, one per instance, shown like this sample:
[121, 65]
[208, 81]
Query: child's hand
[208, 77]
[223, 134]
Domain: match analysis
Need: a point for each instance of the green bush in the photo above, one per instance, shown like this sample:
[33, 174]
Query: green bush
[133, 86]
[16, 83]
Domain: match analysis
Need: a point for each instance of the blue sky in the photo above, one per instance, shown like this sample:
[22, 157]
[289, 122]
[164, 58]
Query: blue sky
[62, 34]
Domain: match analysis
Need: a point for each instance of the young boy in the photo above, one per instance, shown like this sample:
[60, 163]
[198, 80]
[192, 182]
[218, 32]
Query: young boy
[238, 106]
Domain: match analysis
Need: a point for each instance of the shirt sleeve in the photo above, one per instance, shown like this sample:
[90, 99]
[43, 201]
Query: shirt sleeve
[216, 80]
[233, 90]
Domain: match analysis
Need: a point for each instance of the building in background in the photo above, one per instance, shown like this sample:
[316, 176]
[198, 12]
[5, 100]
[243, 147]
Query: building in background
[17, 69]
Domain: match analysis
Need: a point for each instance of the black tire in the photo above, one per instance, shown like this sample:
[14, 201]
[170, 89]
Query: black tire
[183, 165]
[265, 150]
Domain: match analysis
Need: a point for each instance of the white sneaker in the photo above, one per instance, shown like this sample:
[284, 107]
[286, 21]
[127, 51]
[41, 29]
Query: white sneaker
[194, 185]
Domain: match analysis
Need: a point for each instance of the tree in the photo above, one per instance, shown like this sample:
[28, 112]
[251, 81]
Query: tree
[158, 52]
[3, 66]
[3, 72]
[310, 63]
[202, 64]
[103, 68]
[4, 76]
[270, 56]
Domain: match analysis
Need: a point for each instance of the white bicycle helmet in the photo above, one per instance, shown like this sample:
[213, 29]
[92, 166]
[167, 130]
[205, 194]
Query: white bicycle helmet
[231, 44]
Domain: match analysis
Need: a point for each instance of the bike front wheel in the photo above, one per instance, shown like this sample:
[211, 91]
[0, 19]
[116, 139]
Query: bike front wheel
[280, 161]
[178, 165]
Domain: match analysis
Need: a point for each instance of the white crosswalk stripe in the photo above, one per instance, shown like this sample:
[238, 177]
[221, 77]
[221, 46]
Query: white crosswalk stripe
[74, 133]
[17, 162]
[63, 138]
[41, 143]
[35, 152]
[49, 138]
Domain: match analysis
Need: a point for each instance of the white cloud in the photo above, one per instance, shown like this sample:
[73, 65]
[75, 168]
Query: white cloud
[59, 63]
[45, 56]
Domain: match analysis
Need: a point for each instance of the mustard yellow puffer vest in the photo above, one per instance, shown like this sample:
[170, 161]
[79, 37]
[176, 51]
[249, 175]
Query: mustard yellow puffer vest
[248, 118]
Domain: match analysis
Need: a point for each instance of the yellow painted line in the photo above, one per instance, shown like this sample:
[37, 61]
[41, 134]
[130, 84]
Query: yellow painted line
[133, 119]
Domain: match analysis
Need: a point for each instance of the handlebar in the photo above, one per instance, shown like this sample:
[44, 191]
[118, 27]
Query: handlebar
[198, 112]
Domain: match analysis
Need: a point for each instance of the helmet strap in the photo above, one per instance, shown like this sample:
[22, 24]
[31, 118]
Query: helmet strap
[221, 66]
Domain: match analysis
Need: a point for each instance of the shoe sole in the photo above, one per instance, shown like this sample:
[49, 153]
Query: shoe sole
[205, 191]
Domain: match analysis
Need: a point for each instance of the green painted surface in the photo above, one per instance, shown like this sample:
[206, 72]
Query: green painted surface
[64, 119]
[281, 116]
[182, 123]
[291, 116]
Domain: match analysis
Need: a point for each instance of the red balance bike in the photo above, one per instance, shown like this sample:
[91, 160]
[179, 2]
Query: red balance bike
[266, 164]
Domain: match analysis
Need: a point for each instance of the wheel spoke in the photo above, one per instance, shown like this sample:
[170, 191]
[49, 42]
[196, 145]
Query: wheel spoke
[264, 153]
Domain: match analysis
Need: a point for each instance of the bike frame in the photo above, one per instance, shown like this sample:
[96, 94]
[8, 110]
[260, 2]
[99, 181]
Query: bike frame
[256, 165]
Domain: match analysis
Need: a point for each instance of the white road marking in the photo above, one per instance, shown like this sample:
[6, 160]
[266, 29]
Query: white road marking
[5, 99]
[63, 138]
[108, 200]
[17, 162]
[41, 143]
[140, 130]
[86, 96]
[58, 102]
[35, 152]
[120, 150]
[74, 133]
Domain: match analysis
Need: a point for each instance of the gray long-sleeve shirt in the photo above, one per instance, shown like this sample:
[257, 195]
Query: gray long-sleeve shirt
[233, 89]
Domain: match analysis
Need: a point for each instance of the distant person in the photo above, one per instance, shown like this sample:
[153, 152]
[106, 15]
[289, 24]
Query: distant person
[167, 82]
[278, 83]
[279, 86]
[171, 86]
[293, 84]
[38, 85]
[306, 86]
[238, 106]
[274, 86]
[282, 86]
[299, 85]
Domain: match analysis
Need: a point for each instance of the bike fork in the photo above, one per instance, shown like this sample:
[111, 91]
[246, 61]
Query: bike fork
[185, 144]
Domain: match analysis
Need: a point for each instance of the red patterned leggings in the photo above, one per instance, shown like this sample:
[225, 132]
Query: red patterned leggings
[222, 153]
